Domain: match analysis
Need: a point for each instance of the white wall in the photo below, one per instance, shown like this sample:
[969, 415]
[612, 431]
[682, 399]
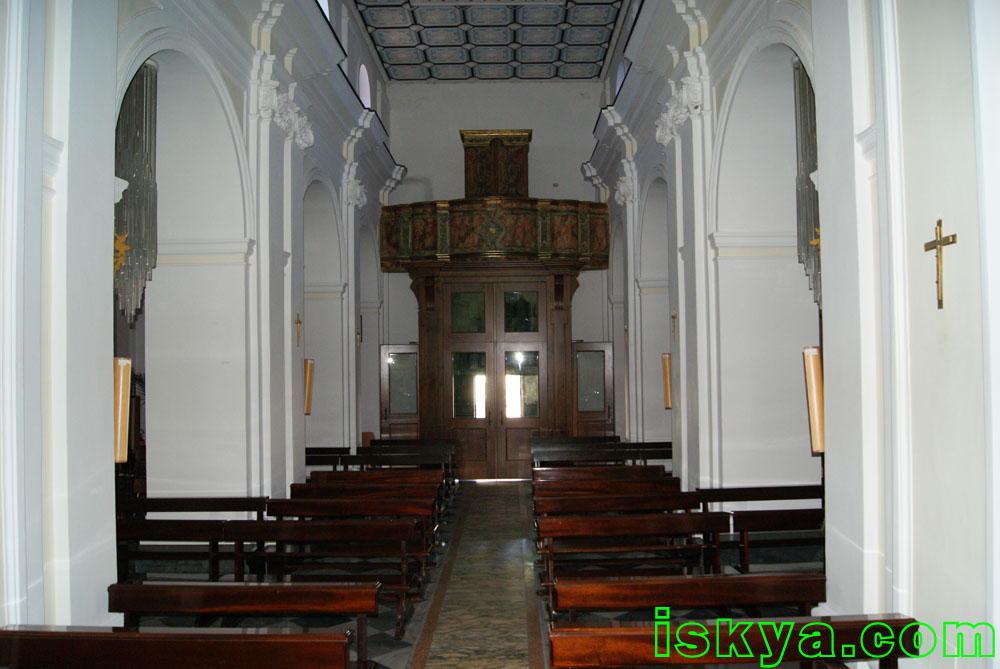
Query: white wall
[196, 301]
[323, 316]
[946, 346]
[653, 305]
[427, 119]
[766, 310]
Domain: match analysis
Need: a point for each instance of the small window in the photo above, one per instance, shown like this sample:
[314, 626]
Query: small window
[621, 76]
[364, 87]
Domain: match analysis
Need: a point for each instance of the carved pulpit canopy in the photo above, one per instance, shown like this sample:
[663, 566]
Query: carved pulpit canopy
[496, 220]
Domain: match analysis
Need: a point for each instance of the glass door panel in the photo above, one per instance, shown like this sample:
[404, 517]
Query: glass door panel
[590, 381]
[400, 401]
[468, 374]
[593, 379]
[520, 311]
[521, 384]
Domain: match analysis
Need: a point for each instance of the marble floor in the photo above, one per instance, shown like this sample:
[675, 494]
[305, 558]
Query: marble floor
[485, 611]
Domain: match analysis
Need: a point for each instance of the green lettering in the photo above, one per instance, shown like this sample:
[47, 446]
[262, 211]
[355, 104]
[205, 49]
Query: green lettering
[880, 640]
[818, 639]
[739, 631]
[690, 649]
[918, 638]
[952, 632]
[661, 626]
[779, 631]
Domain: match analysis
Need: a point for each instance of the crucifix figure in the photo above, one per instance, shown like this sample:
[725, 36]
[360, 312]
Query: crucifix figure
[673, 318]
[937, 245]
[298, 329]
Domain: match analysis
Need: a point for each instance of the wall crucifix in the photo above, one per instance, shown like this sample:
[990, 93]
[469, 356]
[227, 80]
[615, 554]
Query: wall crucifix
[937, 245]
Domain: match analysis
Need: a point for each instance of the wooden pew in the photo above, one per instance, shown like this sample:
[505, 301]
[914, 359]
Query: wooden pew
[599, 473]
[637, 643]
[804, 590]
[140, 506]
[384, 476]
[384, 546]
[805, 522]
[358, 600]
[564, 439]
[423, 509]
[662, 534]
[593, 452]
[615, 503]
[759, 494]
[193, 540]
[317, 456]
[103, 647]
[665, 485]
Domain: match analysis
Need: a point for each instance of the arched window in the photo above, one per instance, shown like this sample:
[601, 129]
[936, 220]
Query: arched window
[621, 76]
[364, 87]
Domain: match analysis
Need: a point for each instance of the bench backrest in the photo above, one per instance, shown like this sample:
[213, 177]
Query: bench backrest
[760, 493]
[323, 531]
[243, 598]
[383, 476]
[599, 473]
[652, 524]
[345, 489]
[140, 506]
[689, 591]
[345, 508]
[565, 488]
[777, 520]
[101, 647]
[618, 503]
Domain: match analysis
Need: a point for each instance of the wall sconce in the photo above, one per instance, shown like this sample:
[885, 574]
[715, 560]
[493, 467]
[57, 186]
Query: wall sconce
[123, 396]
[310, 365]
[813, 362]
[668, 399]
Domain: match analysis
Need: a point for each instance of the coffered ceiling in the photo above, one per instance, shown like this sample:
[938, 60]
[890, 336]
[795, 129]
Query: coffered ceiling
[491, 39]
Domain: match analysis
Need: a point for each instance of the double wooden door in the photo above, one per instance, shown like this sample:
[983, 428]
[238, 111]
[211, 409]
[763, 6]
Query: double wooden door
[496, 373]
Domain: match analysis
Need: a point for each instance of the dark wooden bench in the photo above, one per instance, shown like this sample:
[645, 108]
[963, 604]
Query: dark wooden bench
[357, 600]
[759, 494]
[637, 453]
[144, 539]
[615, 503]
[384, 476]
[389, 551]
[141, 506]
[318, 456]
[102, 647]
[804, 590]
[599, 473]
[665, 485]
[422, 508]
[629, 644]
[667, 541]
[796, 527]
[557, 439]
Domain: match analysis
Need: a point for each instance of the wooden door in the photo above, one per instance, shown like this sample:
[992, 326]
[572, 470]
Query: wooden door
[400, 417]
[494, 359]
[593, 389]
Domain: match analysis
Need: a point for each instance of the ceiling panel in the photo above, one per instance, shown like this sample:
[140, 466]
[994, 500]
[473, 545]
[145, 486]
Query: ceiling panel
[491, 39]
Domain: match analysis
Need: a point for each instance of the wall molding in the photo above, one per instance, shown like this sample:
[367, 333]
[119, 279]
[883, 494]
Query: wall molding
[325, 291]
[653, 286]
[205, 252]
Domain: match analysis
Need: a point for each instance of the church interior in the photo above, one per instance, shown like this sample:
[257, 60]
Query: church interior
[463, 244]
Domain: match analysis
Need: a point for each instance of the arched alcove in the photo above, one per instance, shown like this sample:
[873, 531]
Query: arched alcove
[618, 320]
[364, 86]
[324, 316]
[195, 305]
[766, 310]
[653, 307]
[370, 290]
